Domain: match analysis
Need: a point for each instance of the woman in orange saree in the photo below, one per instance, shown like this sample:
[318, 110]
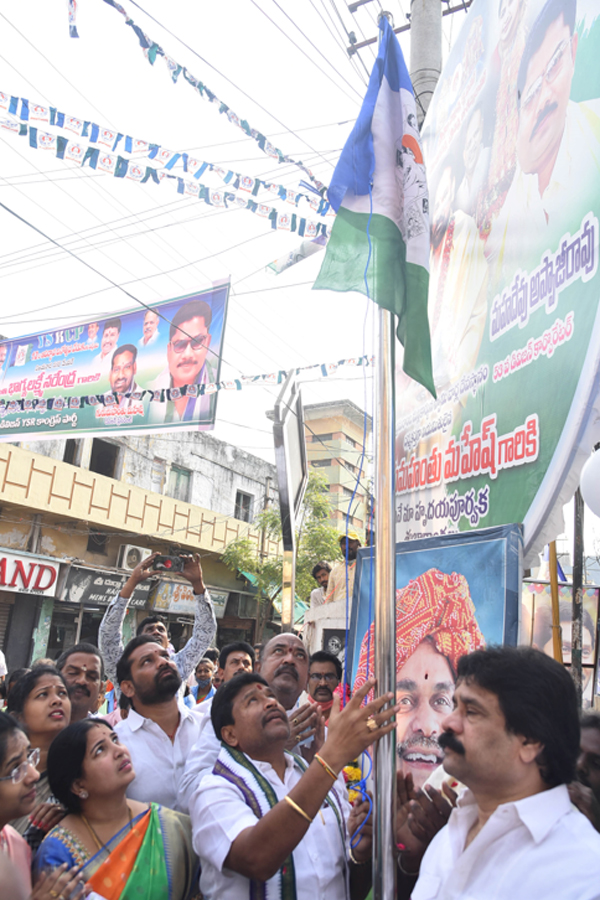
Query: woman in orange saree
[125, 848]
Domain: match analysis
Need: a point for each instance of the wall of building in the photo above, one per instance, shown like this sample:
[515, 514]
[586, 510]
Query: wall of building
[166, 494]
[334, 442]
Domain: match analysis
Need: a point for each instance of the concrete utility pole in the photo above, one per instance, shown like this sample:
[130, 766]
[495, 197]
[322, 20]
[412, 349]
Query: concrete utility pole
[425, 51]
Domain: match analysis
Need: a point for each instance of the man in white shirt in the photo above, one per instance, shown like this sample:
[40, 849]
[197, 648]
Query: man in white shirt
[513, 739]
[265, 824]
[321, 575]
[159, 731]
[284, 664]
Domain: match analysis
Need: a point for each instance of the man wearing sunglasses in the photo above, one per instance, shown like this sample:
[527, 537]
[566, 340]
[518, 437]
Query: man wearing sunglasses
[187, 364]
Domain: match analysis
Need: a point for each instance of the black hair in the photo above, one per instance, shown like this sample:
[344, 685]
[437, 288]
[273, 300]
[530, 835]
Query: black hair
[221, 713]
[112, 323]
[124, 664]
[65, 760]
[82, 647]
[124, 348]
[590, 720]
[17, 697]
[319, 566]
[538, 700]
[323, 656]
[195, 309]
[15, 675]
[236, 647]
[213, 654]
[551, 11]
[8, 726]
[149, 620]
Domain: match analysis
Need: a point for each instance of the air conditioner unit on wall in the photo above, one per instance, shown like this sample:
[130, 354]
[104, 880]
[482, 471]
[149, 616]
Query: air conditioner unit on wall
[131, 556]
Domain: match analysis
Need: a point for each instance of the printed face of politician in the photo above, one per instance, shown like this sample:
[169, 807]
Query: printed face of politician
[122, 372]
[150, 326]
[186, 351]
[110, 337]
[424, 690]
[545, 97]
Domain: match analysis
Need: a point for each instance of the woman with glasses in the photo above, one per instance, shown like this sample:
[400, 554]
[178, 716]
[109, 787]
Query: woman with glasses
[40, 703]
[18, 779]
[136, 849]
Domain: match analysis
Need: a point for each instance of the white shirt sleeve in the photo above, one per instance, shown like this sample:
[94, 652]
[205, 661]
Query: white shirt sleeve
[200, 762]
[219, 814]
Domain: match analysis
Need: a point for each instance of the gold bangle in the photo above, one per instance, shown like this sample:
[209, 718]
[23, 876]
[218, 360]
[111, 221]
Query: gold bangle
[298, 809]
[355, 860]
[327, 768]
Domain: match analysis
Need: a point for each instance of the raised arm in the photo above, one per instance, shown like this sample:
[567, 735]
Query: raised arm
[110, 633]
[205, 624]
[258, 852]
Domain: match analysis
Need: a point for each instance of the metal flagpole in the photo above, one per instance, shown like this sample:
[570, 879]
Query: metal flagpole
[384, 806]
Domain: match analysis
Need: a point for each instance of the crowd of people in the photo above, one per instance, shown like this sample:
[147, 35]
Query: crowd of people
[243, 792]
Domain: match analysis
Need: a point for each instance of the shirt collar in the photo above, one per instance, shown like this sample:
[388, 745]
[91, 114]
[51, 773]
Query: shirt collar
[136, 721]
[538, 813]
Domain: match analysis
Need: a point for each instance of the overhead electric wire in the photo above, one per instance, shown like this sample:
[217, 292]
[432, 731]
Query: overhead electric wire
[71, 84]
[304, 53]
[95, 186]
[347, 33]
[52, 255]
[342, 46]
[222, 75]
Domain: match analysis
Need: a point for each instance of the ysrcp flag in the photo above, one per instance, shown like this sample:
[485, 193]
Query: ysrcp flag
[379, 192]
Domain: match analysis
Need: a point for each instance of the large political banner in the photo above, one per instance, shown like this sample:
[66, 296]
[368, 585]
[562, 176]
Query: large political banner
[150, 369]
[512, 150]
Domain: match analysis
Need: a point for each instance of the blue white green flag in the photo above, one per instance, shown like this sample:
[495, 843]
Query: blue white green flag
[379, 191]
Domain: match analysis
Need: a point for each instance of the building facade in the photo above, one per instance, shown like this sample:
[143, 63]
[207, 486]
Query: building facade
[77, 515]
[335, 438]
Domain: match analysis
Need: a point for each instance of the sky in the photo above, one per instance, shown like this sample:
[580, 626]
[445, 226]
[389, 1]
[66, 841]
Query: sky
[283, 67]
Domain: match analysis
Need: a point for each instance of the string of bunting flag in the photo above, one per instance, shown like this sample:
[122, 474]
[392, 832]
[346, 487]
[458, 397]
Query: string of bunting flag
[120, 167]
[152, 49]
[29, 111]
[57, 404]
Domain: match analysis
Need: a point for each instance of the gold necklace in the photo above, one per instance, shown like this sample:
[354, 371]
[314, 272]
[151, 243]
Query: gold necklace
[97, 840]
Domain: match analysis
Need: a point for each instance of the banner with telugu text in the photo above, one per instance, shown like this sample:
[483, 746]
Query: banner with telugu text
[145, 370]
[512, 148]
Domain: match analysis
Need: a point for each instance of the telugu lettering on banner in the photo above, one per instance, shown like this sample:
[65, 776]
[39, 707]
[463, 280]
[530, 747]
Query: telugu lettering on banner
[512, 150]
[147, 370]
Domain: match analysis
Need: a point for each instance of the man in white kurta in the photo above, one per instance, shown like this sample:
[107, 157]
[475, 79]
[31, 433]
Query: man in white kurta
[265, 824]
[513, 740]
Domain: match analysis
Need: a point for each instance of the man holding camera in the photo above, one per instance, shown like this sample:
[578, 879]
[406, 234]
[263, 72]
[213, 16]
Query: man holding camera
[110, 635]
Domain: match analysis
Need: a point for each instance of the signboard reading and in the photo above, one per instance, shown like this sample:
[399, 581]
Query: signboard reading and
[512, 148]
[148, 370]
[28, 575]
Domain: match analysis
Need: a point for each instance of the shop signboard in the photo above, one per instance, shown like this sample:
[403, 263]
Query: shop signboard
[178, 598]
[97, 588]
[28, 574]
